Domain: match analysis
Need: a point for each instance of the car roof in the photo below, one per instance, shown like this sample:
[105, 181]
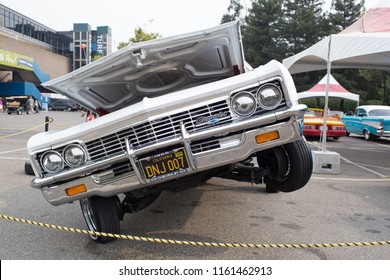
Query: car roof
[369, 108]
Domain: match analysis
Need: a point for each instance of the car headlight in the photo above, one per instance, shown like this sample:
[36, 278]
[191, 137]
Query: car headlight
[52, 162]
[243, 104]
[74, 155]
[269, 96]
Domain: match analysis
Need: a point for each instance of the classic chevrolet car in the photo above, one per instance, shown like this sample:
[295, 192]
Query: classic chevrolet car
[371, 121]
[173, 113]
[313, 124]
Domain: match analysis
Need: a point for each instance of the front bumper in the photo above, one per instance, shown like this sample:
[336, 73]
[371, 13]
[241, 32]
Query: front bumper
[235, 148]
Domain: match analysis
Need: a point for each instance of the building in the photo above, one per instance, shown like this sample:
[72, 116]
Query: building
[32, 53]
[90, 45]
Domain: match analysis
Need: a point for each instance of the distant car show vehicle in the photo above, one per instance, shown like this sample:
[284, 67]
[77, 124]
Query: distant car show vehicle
[63, 105]
[313, 124]
[371, 121]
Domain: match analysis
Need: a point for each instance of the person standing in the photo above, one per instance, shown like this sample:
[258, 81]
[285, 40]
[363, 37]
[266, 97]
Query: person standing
[4, 101]
[36, 106]
[30, 105]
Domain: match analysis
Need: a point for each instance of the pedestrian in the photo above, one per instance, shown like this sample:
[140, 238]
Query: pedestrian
[4, 101]
[36, 106]
[90, 116]
[30, 105]
[82, 110]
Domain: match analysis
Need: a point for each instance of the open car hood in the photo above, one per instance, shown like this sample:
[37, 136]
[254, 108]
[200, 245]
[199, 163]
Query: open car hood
[154, 68]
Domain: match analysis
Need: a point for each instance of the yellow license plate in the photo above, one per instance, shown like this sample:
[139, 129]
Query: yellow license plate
[164, 165]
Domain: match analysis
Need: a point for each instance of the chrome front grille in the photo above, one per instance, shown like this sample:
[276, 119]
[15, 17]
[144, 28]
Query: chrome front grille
[151, 132]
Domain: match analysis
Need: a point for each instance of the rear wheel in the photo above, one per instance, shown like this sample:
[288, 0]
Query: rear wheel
[101, 215]
[290, 166]
[367, 135]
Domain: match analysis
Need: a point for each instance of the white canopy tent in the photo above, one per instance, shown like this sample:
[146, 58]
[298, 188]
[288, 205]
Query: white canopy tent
[335, 90]
[364, 44]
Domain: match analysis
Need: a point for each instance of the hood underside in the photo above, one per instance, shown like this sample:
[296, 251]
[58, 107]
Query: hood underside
[154, 68]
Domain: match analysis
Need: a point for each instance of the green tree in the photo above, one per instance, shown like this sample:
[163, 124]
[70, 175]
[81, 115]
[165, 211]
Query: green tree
[261, 35]
[303, 24]
[139, 36]
[343, 13]
[234, 11]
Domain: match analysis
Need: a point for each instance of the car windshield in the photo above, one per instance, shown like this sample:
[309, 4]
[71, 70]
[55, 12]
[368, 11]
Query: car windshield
[380, 112]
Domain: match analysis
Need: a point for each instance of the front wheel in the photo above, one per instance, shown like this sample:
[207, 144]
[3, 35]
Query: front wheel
[101, 215]
[289, 166]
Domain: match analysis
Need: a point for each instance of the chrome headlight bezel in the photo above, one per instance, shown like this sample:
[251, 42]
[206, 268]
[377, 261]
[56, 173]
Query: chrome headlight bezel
[269, 100]
[60, 163]
[250, 101]
[68, 157]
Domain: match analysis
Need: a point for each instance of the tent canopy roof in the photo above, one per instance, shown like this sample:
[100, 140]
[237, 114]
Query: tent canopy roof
[334, 90]
[364, 44]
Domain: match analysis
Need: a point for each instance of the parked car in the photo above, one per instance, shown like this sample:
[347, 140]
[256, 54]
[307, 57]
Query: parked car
[371, 121]
[314, 120]
[174, 112]
[62, 105]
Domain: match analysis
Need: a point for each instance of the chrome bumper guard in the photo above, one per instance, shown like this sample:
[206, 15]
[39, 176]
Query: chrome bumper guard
[244, 144]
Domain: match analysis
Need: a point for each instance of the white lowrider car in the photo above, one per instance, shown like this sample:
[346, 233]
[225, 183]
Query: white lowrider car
[173, 112]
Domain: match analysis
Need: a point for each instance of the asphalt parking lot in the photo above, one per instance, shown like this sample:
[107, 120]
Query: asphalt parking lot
[352, 206]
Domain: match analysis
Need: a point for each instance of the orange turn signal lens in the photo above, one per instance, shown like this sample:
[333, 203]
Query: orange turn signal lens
[269, 136]
[76, 190]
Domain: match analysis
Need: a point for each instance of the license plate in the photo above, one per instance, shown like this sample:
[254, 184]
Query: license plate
[164, 165]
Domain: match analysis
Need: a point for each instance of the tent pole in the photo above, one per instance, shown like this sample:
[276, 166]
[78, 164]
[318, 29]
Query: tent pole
[326, 109]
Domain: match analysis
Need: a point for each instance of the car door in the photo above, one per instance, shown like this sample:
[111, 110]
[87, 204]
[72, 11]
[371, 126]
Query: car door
[353, 123]
[359, 125]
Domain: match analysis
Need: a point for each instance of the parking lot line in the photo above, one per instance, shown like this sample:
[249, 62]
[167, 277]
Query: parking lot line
[362, 167]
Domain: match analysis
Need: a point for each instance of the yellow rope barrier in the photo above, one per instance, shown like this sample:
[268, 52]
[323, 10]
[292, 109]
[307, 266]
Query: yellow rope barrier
[199, 243]
[24, 131]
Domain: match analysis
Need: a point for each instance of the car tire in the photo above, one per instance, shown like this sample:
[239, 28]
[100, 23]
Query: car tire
[367, 135]
[270, 189]
[69, 109]
[101, 215]
[28, 169]
[290, 166]
[50, 108]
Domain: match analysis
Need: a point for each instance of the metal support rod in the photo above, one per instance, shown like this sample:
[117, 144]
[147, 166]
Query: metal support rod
[326, 107]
